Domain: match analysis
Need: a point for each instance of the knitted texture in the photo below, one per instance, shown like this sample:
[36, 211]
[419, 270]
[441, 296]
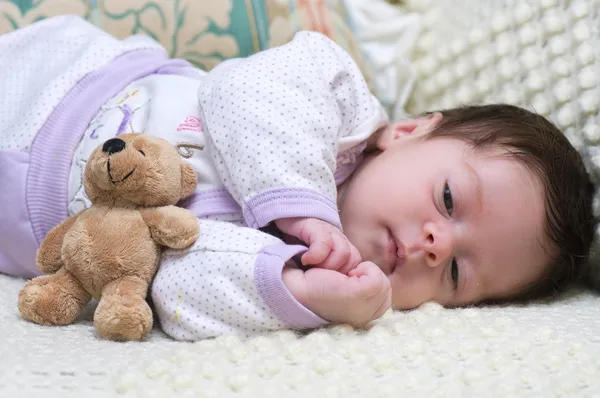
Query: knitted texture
[543, 55]
[537, 350]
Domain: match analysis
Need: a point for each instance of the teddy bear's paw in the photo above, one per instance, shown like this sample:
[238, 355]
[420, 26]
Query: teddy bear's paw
[172, 226]
[44, 300]
[175, 236]
[123, 318]
[186, 239]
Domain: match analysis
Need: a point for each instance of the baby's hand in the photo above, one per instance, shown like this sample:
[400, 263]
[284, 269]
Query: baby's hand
[357, 299]
[328, 247]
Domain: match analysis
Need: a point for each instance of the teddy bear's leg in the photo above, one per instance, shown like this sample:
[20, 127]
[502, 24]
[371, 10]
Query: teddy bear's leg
[123, 313]
[55, 299]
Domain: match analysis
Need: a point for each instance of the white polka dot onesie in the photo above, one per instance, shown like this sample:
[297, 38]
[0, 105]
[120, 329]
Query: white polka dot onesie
[280, 130]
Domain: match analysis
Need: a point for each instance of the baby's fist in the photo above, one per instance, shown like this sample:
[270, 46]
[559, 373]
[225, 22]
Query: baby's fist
[358, 298]
[328, 247]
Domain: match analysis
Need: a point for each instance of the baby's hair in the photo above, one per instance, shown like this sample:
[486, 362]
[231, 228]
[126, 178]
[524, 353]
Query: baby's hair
[530, 138]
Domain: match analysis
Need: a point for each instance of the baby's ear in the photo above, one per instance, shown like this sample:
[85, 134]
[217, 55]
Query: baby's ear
[189, 180]
[409, 127]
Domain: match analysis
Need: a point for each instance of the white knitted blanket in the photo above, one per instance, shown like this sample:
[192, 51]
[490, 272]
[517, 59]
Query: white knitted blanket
[538, 350]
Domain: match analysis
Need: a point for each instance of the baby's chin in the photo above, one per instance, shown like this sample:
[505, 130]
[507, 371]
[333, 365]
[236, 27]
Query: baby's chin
[367, 256]
[370, 250]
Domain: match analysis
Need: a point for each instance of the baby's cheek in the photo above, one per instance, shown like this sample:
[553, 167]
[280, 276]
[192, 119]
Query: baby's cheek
[410, 293]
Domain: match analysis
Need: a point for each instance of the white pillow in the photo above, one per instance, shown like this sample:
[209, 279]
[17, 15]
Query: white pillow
[543, 55]
[386, 36]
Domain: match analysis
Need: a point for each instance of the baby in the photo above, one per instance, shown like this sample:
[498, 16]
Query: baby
[313, 208]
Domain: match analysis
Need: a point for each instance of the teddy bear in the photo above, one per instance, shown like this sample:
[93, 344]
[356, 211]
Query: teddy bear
[111, 250]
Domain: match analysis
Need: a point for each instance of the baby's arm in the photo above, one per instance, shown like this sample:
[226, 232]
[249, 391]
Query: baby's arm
[356, 299]
[274, 123]
[228, 282]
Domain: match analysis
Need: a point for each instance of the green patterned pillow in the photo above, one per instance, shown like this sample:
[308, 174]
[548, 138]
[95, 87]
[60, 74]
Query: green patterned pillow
[205, 32]
[16, 14]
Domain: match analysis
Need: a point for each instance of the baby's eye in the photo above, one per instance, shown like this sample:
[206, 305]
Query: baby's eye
[454, 273]
[448, 200]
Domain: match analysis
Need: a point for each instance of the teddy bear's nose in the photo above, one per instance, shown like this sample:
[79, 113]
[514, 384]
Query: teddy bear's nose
[113, 145]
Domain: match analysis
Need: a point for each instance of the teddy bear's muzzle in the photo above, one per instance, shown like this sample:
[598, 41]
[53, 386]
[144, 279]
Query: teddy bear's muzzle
[116, 180]
[110, 147]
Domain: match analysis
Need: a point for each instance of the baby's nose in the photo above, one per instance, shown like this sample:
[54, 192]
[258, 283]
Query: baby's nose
[438, 246]
[113, 145]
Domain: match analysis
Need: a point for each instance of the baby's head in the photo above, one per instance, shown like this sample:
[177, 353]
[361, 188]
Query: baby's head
[470, 205]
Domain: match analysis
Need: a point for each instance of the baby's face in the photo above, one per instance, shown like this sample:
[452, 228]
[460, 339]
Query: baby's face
[445, 222]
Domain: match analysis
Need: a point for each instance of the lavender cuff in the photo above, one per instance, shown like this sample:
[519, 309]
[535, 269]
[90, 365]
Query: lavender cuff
[267, 277]
[289, 202]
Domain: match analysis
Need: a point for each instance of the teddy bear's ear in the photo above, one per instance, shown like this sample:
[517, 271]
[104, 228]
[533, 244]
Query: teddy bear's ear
[188, 180]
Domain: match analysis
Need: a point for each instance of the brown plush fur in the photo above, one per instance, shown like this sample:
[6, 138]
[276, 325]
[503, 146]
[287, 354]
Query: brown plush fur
[111, 251]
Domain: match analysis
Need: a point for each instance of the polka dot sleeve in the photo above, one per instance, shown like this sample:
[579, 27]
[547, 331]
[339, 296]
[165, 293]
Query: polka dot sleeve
[227, 282]
[274, 123]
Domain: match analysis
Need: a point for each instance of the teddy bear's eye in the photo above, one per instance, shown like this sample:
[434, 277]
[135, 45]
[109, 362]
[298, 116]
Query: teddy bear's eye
[142, 152]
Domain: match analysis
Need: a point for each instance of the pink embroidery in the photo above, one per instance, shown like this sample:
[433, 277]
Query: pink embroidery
[191, 123]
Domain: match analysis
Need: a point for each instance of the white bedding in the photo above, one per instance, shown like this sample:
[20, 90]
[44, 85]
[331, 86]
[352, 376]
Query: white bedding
[538, 350]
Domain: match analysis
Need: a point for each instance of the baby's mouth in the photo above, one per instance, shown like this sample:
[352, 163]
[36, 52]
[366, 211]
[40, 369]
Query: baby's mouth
[110, 177]
[394, 252]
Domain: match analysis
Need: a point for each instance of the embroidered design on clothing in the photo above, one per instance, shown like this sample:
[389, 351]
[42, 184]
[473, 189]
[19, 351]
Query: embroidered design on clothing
[81, 163]
[128, 95]
[93, 135]
[128, 111]
[184, 149]
[191, 123]
[126, 118]
[128, 114]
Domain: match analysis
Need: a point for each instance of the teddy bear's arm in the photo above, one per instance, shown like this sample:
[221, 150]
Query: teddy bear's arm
[171, 226]
[48, 258]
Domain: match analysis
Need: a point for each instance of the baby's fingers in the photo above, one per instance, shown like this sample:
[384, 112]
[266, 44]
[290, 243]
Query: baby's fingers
[354, 259]
[339, 255]
[333, 251]
[364, 268]
[368, 281]
[318, 249]
[385, 304]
